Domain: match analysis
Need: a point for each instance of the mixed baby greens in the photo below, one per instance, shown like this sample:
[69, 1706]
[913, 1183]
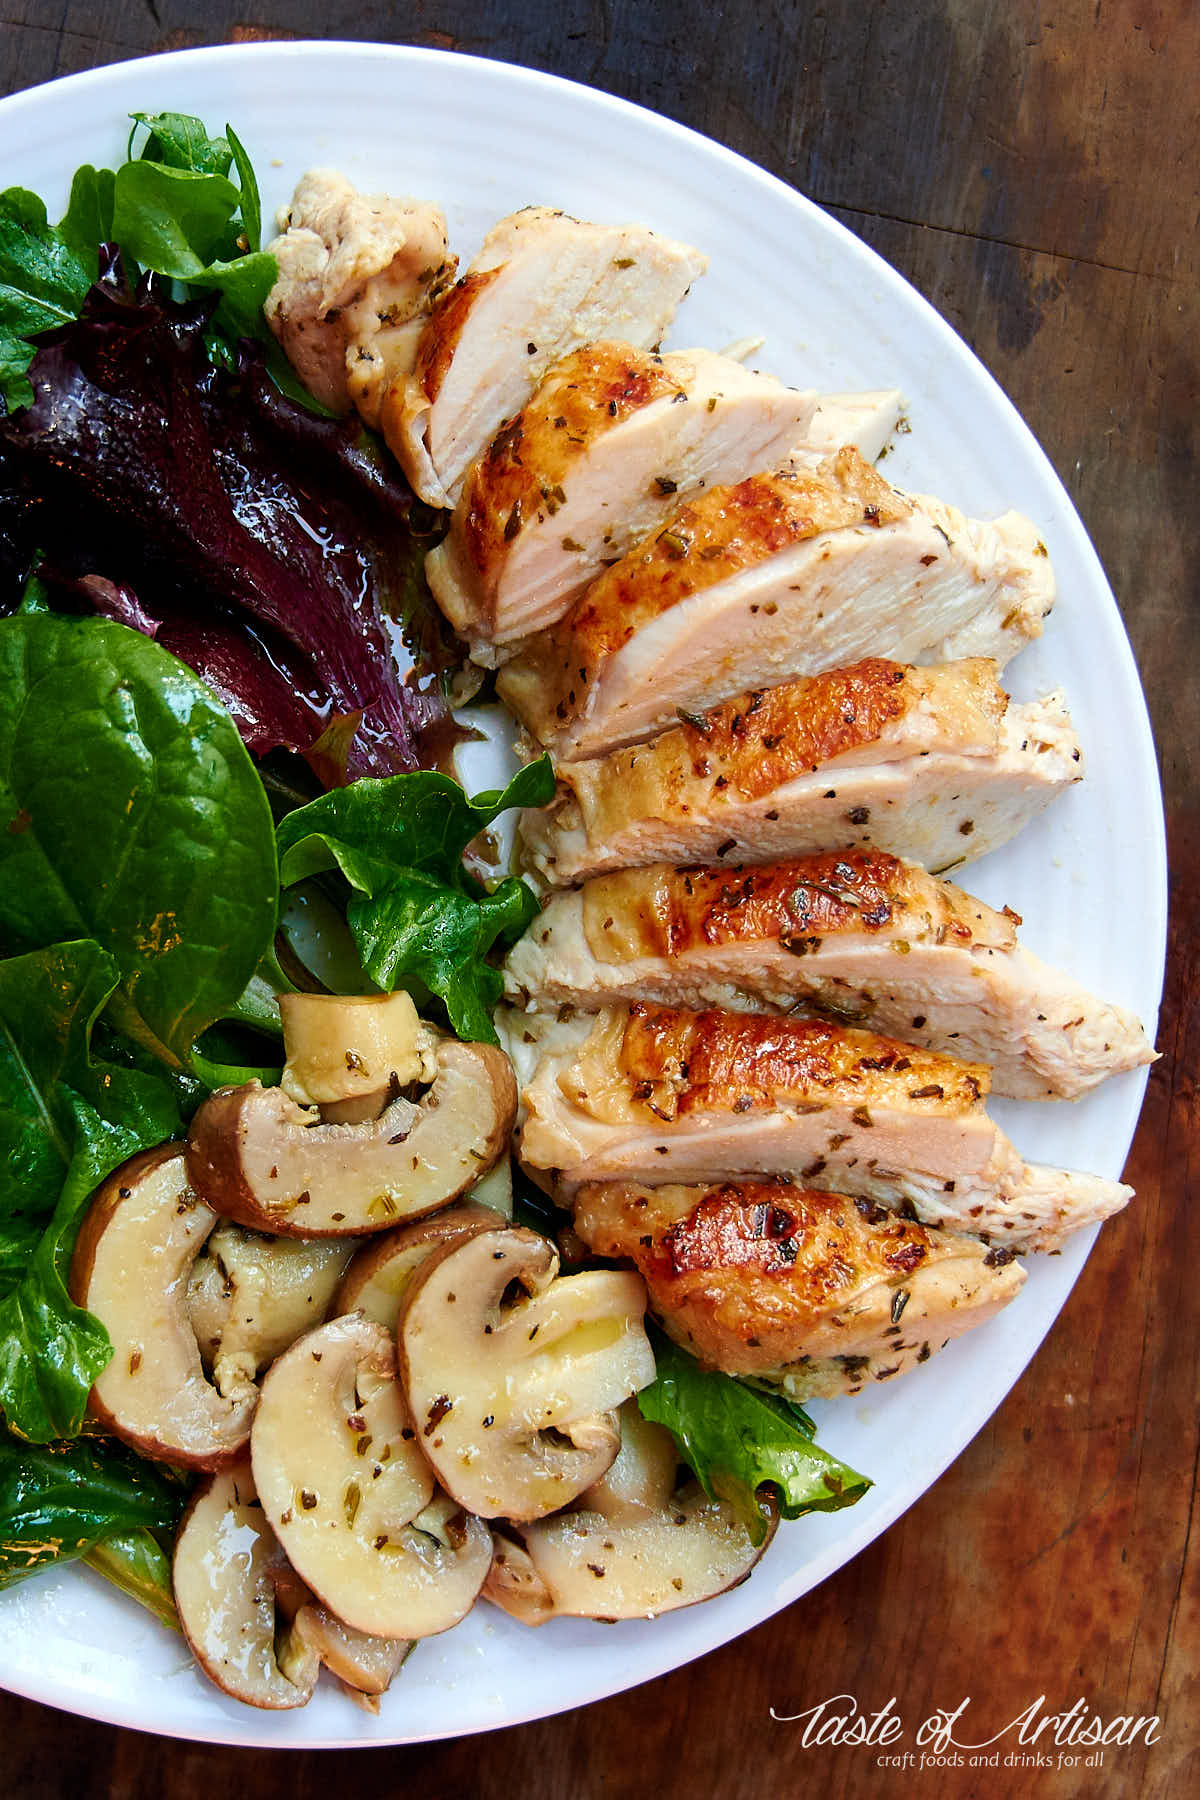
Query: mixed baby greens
[196, 566]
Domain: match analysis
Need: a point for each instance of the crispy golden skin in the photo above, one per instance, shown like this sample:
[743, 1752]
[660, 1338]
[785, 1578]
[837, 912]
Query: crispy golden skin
[715, 535]
[763, 1277]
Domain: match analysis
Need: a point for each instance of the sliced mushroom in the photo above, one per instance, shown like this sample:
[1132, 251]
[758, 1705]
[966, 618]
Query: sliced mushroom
[250, 1296]
[259, 1158]
[234, 1587]
[376, 1280]
[365, 1665]
[133, 1257]
[636, 1545]
[349, 1495]
[222, 1571]
[511, 1374]
[350, 1055]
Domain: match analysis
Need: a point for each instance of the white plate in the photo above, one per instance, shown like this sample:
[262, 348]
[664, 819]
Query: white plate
[483, 139]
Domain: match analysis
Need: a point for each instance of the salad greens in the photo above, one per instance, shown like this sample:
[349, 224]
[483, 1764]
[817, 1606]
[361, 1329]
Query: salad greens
[144, 826]
[172, 210]
[67, 1119]
[736, 1439]
[69, 1500]
[416, 914]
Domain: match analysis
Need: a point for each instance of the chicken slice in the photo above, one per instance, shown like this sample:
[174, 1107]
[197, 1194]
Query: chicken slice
[815, 1291]
[865, 420]
[659, 1094]
[543, 284]
[853, 935]
[932, 764]
[611, 441]
[357, 276]
[783, 575]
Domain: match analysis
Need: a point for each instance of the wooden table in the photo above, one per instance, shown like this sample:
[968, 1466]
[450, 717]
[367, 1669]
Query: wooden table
[1032, 168]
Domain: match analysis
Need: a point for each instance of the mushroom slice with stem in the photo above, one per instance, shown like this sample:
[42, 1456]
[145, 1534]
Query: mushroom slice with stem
[376, 1280]
[350, 1496]
[350, 1055]
[635, 1545]
[223, 1573]
[250, 1296]
[512, 1371]
[259, 1158]
[365, 1665]
[133, 1258]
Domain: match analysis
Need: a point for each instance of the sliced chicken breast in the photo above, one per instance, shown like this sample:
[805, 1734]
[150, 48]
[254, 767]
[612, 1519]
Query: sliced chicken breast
[783, 575]
[543, 284]
[932, 764]
[659, 1094]
[864, 420]
[818, 1292]
[853, 935]
[357, 276]
[611, 441]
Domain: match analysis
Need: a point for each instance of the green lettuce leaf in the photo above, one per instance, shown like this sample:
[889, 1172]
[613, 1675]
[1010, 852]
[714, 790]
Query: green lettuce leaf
[418, 918]
[136, 1562]
[131, 813]
[59, 1501]
[43, 281]
[67, 1119]
[736, 1439]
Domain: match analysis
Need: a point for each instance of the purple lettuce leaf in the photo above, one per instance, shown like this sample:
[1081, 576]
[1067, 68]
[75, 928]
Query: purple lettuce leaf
[262, 545]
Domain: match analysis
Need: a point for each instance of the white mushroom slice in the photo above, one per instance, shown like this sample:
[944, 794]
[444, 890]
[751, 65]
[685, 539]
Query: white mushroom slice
[366, 1665]
[350, 1055]
[249, 1296]
[224, 1584]
[134, 1254]
[259, 1158]
[636, 1543]
[511, 1374]
[589, 1567]
[376, 1280]
[349, 1495]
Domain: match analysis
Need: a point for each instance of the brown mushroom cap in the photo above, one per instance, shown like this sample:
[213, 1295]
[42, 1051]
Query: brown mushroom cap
[257, 1157]
[377, 1278]
[512, 1375]
[133, 1257]
[250, 1296]
[635, 1545]
[349, 1495]
[225, 1594]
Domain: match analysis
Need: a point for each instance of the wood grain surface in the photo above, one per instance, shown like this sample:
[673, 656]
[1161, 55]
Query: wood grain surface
[1032, 168]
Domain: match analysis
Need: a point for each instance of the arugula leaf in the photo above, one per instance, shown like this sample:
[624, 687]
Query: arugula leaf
[130, 812]
[735, 1439]
[67, 1119]
[416, 915]
[58, 1502]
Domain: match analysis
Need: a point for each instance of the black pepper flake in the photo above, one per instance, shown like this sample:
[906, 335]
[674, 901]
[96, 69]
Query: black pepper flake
[859, 815]
[900, 1300]
[513, 522]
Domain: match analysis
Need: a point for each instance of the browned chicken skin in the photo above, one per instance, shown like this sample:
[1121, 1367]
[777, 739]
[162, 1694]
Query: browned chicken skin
[770, 1278]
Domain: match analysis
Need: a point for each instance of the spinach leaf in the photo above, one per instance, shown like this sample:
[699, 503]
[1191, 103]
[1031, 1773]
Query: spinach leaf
[58, 1501]
[131, 813]
[136, 1562]
[88, 220]
[735, 1439]
[43, 281]
[180, 141]
[417, 916]
[67, 1119]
